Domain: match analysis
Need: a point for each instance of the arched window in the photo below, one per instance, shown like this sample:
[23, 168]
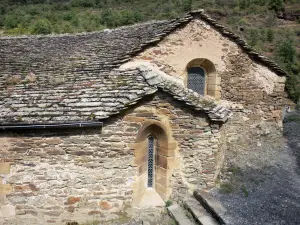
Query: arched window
[151, 160]
[196, 80]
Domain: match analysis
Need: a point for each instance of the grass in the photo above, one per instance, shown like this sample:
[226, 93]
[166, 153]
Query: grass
[169, 203]
[293, 118]
[245, 191]
[226, 188]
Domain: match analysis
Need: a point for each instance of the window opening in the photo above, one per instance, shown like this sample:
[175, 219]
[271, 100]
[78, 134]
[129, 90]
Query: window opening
[196, 79]
[151, 159]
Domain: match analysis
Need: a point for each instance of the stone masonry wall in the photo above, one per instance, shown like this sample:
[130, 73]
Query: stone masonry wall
[254, 93]
[88, 174]
[239, 78]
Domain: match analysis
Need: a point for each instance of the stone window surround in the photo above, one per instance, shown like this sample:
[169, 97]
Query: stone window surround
[212, 79]
[167, 159]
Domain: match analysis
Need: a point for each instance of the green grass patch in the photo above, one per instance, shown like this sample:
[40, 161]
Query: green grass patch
[245, 191]
[293, 118]
[226, 188]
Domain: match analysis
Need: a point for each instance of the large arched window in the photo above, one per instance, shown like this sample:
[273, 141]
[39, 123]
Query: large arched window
[196, 79]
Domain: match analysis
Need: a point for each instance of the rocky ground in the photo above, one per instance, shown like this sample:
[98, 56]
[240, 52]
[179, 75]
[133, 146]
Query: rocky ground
[265, 186]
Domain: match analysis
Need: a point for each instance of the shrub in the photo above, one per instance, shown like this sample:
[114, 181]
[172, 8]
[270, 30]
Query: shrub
[253, 37]
[286, 52]
[270, 35]
[83, 3]
[187, 5]
[226, 188]
[169, 203]
[42, 26]
[276, 5]
[11, 21]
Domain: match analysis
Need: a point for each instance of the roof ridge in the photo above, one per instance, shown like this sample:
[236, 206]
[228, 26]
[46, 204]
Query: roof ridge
[175, 24]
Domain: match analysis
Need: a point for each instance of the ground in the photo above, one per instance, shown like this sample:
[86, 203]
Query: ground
[265, 187]
[149, 216]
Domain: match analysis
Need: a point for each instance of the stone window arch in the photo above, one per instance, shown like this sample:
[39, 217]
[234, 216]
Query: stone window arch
[202, 77]
[146, 192]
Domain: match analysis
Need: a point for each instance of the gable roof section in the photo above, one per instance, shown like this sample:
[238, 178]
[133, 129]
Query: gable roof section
[74, 77]
[96, 99]
[62, 55]
[252, 53]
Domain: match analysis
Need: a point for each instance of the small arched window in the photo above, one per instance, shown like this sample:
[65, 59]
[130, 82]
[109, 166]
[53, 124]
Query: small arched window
[196, 80]
[151, 160]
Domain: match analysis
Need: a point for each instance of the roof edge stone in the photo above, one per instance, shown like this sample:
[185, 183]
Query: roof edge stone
[164, 82]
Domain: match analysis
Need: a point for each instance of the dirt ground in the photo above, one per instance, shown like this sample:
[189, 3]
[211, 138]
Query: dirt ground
[265, 188]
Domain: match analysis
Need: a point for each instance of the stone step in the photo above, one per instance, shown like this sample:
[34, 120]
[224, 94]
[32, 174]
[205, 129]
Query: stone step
[199, 213]
[208, 202]
[179, 215]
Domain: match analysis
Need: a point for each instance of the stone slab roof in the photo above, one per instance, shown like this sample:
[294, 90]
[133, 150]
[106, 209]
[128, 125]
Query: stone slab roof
[60, 78]
[67, 55]
[95, 98]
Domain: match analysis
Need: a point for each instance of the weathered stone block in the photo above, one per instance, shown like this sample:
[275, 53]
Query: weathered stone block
[72, 200]
[104, 205]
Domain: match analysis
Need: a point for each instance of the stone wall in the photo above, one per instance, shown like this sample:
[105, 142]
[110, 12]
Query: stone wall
[239, 79]
[88, 174]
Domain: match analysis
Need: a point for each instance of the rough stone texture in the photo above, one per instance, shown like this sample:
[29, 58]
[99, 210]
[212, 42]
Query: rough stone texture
[97, 98]
[65, 175]
[253, 92]
[80, 173]
[241, 79]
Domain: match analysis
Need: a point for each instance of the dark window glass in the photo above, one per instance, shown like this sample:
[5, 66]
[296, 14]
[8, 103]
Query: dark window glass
[196, 79]
[150, 160]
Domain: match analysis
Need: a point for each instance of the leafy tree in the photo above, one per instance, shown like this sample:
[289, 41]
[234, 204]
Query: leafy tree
[286, 52]
[42, 26]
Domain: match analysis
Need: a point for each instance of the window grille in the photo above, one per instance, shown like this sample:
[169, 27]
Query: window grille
[196, 80]
[150, 160]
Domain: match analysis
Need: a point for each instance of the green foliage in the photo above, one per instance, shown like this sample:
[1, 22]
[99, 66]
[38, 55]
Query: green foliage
[226, 188]
[293, 118]
[298, 105]
[42, 26]
[83, 3]
[286, 52]
[253, 37]
[286, 55]
[276, 5]
[169, 203]
[245, 191]
[187, 5]
[270, 35]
